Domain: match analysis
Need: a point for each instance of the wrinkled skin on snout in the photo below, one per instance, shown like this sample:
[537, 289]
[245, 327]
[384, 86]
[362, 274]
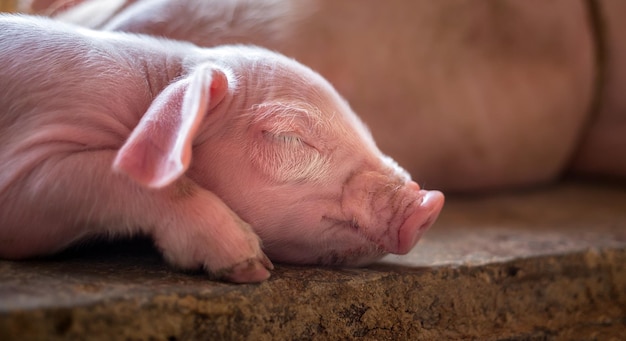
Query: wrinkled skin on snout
[221, 155]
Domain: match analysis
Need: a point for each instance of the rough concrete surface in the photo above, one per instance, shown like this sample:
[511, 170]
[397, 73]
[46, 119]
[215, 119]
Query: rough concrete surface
[546, 264]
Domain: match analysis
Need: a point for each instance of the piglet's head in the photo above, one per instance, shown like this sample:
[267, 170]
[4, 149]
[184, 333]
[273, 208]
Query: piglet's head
[285, 152]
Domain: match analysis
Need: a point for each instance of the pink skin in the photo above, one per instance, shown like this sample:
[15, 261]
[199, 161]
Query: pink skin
[503, 94]
[209, 151]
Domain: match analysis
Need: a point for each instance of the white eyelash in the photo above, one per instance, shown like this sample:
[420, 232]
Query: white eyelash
[286, 138]
[290, 164]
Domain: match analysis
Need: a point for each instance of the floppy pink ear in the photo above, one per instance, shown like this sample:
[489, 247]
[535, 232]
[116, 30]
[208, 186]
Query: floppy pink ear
[158, 150]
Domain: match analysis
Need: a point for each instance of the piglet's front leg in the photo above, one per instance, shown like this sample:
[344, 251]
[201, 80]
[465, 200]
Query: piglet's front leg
[203, 231]
[190, 225]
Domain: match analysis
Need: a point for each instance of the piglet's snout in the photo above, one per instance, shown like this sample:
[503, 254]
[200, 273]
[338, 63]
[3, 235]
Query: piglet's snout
[392, 213]
[423, 213]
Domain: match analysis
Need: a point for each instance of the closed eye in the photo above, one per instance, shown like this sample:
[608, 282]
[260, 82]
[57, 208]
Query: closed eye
[287, 138]
[288, 158]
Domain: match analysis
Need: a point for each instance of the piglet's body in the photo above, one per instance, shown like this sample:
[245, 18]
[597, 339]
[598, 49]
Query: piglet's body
[208, 151]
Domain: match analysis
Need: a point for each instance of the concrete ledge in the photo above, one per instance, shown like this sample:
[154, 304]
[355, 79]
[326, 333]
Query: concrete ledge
[538, 265]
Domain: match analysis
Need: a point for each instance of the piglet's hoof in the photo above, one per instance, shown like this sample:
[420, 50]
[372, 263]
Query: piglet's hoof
[249, 271]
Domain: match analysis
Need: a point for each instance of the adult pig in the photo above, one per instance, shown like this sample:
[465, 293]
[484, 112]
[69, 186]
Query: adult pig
[603, 150]
[467, 95]
[111, 134]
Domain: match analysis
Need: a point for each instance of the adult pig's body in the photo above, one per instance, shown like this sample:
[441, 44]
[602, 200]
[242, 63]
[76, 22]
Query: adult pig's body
[603, 150]
[465, 95]
[273, 146]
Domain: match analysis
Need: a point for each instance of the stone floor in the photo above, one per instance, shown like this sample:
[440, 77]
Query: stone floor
[535, 265]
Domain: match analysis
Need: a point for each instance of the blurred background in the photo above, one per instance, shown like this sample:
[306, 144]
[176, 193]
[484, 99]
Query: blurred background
[8, 5]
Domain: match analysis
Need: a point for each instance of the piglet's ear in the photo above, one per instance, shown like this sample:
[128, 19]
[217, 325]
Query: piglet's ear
[158, 150]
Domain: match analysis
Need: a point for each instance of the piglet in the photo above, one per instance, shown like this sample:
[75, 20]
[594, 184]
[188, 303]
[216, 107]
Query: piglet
[222, 155]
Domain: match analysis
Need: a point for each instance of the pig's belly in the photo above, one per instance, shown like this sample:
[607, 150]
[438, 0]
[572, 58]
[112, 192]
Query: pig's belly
[464, 95]
[603, 150]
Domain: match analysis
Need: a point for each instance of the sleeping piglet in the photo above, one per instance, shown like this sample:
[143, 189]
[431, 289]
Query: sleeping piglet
[222, 155]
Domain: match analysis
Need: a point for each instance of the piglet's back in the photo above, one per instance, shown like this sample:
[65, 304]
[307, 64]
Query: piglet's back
[65, 89]
[57, 70]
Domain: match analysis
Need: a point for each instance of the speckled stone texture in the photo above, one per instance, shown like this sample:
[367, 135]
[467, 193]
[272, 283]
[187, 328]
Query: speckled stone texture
[546, 264]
